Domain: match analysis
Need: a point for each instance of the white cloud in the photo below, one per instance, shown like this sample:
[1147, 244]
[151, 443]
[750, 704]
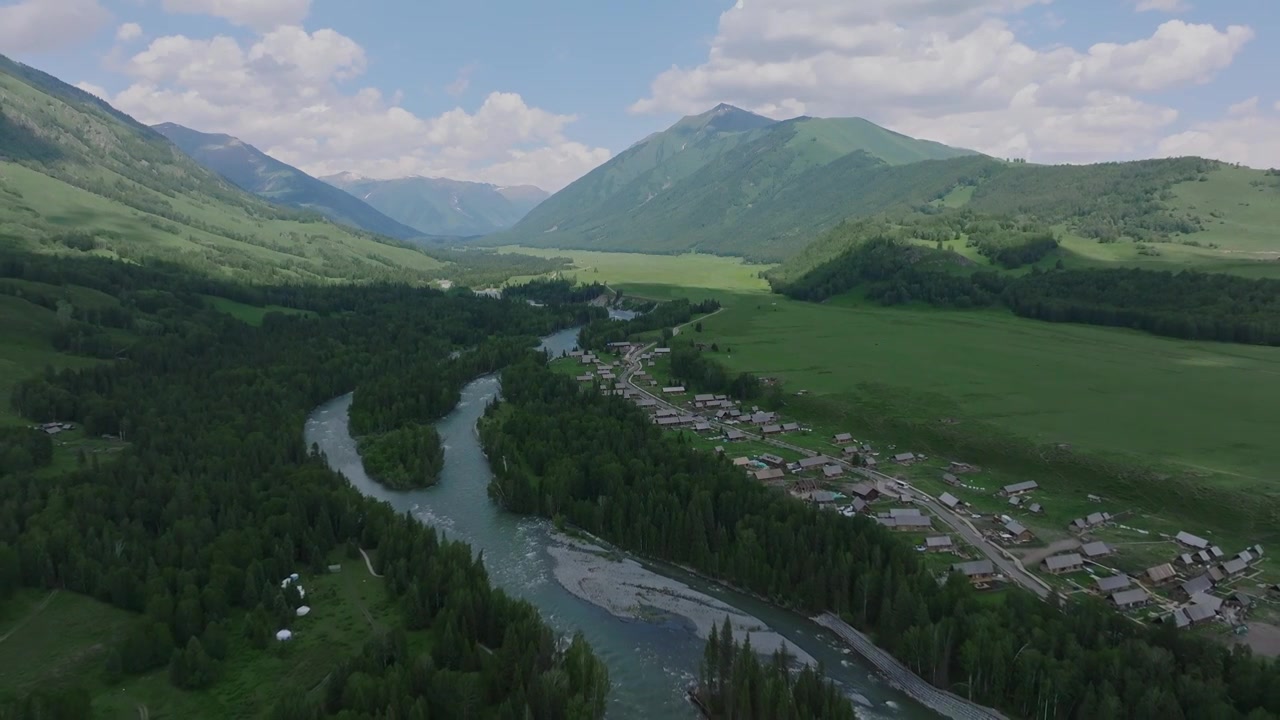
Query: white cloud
[462, 81]
[281, 94]
[256, 14]
[33, 26]
[1246, 134]
[950, 70]
[1169, 6]
[128, 31]
[95, 90]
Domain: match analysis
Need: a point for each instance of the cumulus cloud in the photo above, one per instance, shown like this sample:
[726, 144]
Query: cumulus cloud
[33, 26]
[128, 32]
[1246, 134]
[256, 14]
[281, 93]
[949, 70]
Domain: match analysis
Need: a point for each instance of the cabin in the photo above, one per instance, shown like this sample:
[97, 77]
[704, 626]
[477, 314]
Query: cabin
[701, 426]
[1192, 615]
[1035, 508]
[1161, 574]
[1113, 584]
[815, 461]
[741, 462]
[703, 398]
[1197, 585]
[978, 571]
[842, 438]
[939, 543]
[1019, 488]
[1019, 532]
[662, 351]
[950, 501]
[832, 472]
[1095, 550]
[769, 474]
[790, 427]
[907, 523]
[904, 458]
[950, 479]
[673, 390]
[772, 460]
[959, 467]
[865, 492]
[733, 435]
[1191, 541]
[1059, 564]
[771, 429]
[1235, 567]
[1127, 599]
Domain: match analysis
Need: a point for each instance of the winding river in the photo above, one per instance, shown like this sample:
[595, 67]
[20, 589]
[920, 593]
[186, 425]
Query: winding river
[651, 660]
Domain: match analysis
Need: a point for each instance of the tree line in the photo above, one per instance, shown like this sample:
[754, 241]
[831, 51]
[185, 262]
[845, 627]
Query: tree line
[599, 463]
[598, 333]
[733, 683]
[1189, 305]
[217, 498]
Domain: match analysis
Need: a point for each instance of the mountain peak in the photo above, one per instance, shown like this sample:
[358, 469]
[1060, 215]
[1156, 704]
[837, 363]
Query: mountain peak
[725, 118]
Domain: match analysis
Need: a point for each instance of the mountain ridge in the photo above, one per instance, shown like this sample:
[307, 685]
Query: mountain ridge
[256, 172]
[693, 184]
[442, 206]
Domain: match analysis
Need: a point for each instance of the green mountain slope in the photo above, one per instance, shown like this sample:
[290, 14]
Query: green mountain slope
[253, 170]
[707, 182]
[76, 175]
[438, 206]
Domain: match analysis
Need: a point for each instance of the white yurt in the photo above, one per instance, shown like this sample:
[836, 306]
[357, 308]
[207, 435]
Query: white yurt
[303, 610]
[284, 635]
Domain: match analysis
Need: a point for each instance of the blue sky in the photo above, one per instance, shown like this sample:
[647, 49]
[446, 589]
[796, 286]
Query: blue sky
[511, 91]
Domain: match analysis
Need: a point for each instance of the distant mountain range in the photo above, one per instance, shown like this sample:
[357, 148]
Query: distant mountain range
[438, 206]
[712, 182]
[256, 172]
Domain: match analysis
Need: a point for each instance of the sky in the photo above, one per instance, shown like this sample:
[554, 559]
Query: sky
[520, 92]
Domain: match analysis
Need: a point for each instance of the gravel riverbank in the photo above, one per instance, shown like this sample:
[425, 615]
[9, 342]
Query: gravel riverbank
[627, 589]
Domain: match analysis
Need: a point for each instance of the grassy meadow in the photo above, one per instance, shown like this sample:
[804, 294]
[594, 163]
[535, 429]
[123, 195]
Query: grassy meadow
[687, 271]
[991, 388]
[46, 637]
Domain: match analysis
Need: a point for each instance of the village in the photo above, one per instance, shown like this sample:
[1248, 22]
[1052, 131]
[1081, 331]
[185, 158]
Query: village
[958, 526]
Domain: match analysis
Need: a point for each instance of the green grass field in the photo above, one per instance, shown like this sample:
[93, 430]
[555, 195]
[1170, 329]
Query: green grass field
[1198, 412]
[25, 348]
[251, 314]
[68, 638]
[691, 271]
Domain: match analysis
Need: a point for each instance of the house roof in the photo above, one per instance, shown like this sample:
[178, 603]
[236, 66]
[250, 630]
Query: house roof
[771, 429]
[735, 435]
[1205, 599]
[905, 512]
[916, 521]
[1022, 486]
[832, 470]
[768, 474]
[703, 398]
[843, 437]
[1015, 527]
[903, 457]
[948, 477]
[1059, 562]
[862, 490]
[1130, 597]
[938, 541]
[949, 500]
[790, 426]
[815, 461]
[1096, 549]
[1197, 585]
[1198, 613]
[1235, 567]
[1187, 538]
[975, 567]
[1160, 573]
[1113, 583]
[822, 496]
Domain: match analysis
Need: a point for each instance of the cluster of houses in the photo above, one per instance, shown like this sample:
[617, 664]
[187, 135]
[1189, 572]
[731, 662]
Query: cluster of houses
[53, 428]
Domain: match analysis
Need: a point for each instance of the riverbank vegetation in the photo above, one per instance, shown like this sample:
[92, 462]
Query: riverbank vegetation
[405, 458]
[734, 684]
[601, 464]
[190, 529]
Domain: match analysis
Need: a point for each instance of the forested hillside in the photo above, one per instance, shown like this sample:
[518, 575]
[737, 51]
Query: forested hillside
[600, 463]
[215, 498]
[703, 183]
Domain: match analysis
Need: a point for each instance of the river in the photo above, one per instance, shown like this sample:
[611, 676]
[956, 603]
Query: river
[652, 660]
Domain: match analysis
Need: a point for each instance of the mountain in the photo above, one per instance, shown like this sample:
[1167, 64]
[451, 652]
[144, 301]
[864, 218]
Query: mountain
[77, 175]
[705, 183]
[438, 206]
[254, 171]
